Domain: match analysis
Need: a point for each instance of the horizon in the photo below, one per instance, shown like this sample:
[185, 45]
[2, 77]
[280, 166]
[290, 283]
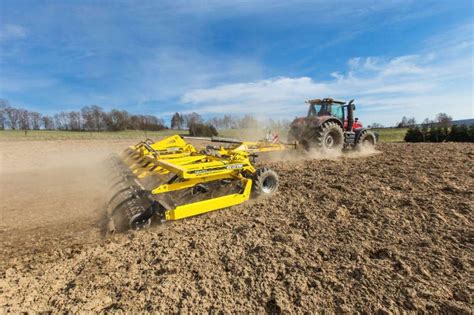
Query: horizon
[402, 58]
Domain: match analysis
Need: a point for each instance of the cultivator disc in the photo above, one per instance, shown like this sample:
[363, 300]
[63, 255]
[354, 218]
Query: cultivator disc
[170, 180]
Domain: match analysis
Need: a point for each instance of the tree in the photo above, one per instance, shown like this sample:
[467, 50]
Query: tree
[444, 120]
[403, 123]
[414, 134]
[4, 104]
[202, 130]
[248, 121]
[376, 125]
[459, 133]
[411, 122]
[471, 133]
[98, 117]
[437, 134]
[74, 120]
[425, 132]
[177, 121]
[193, 118]
[35, 119]
[48, 123]
[23, 120]
[427, 121]
[61, 121]
[12, 116]
[88, 120]
[117, 120]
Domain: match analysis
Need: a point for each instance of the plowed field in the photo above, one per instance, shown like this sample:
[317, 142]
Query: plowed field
[391, 231]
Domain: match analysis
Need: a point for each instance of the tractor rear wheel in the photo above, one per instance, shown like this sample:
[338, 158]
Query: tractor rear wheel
[366, 139]
[328, 137]
[265, 182]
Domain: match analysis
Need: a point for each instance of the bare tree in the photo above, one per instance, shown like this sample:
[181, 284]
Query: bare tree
[406, 122]
[99, 117]
[248, 121]
[117, 120]
[88, 120]
[3, 114]
[230, 122]
[411, 122]
[192, 118]
[444, 120]
[48, 123]
[35, 119]
[13, 117]
[427, 122]
[74, 120]
[376, 125]
[24, 120]
[61, 121]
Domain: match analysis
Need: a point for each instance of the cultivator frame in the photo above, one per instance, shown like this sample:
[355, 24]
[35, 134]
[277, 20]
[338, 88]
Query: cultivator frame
[154, 177]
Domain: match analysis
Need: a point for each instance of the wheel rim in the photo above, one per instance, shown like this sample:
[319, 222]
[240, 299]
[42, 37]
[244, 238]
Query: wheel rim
[269, 184]
[329, 141]
[136, 224]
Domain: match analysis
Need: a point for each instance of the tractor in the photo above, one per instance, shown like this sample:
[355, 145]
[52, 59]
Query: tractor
[330, 125]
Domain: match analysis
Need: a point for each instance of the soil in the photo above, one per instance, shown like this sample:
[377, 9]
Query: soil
[386, 232]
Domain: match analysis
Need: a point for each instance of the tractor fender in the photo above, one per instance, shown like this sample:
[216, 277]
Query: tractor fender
[322, 120]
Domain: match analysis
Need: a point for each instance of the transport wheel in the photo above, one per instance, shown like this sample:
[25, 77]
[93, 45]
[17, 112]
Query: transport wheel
[265, 182]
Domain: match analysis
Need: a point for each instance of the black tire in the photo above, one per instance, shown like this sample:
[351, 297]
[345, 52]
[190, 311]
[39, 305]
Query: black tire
[366, 139]
[265, 182]
[328, 137]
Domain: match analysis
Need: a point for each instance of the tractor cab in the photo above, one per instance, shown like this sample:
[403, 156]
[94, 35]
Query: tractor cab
[330, 108]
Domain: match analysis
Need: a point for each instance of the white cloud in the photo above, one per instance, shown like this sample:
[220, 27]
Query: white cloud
[11, 31]
[420, 85]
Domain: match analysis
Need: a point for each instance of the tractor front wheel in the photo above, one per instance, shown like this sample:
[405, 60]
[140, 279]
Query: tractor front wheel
[366, 139]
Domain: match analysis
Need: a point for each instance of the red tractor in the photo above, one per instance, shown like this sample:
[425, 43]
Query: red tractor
[330, 125]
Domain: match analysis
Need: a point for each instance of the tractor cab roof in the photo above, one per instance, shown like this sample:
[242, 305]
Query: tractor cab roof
[327, 100]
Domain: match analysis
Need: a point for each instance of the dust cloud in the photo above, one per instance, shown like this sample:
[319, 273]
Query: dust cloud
[52, 193]
[303, 155]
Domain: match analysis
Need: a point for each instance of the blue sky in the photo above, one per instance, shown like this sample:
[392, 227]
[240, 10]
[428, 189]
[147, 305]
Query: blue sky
[396, 58]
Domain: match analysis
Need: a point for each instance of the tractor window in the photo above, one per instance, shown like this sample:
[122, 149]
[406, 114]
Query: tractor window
[329, 110]
[323, 110]
[337, 112]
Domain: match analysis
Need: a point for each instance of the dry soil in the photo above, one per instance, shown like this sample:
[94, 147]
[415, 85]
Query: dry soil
[384, 232]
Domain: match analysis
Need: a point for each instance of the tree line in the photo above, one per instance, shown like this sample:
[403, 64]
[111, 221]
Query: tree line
[89, 118]
[185, 121]
[439, 129]
[438, 133]
[441, 119]
[94, 118]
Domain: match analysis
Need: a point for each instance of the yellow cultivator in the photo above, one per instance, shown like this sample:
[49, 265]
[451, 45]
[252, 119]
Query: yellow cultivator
[171, 180]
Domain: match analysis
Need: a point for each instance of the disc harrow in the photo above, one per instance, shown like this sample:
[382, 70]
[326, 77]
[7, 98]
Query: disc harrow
[171, 180]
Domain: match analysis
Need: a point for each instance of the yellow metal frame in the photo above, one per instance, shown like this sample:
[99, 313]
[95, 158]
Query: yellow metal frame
[258, 146]
[204, 206]
[173, 156]
[200, 169]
